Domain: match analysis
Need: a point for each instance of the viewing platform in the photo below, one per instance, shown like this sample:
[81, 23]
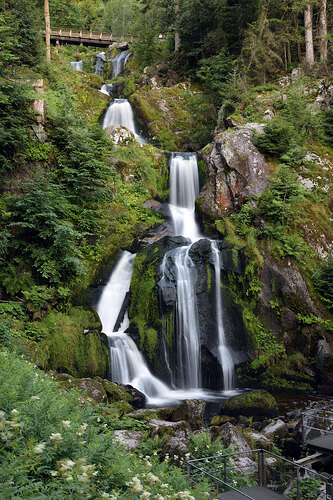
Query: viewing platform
[81, 37]
[257, 475]
[317, 429]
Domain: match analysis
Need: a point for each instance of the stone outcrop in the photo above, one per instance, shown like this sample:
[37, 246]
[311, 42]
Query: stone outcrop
[251, 404]
[192, 411]
[236, 170]
[119, 134]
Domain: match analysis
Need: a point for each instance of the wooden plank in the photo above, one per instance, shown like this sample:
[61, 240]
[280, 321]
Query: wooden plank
[256, 493]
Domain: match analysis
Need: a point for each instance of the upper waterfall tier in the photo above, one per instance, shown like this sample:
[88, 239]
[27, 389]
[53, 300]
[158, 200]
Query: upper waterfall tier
[120, 113]
[184, 189]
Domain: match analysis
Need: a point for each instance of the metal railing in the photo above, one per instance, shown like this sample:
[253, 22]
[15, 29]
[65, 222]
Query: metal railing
[259, 467]
[316, 422]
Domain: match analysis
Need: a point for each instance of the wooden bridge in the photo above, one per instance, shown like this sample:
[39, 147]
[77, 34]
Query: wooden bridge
[81, 37]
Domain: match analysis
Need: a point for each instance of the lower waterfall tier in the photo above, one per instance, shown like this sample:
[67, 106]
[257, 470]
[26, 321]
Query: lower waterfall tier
[154, 318]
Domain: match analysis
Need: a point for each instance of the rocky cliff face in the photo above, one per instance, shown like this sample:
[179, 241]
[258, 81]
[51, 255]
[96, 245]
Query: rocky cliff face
[236, 170]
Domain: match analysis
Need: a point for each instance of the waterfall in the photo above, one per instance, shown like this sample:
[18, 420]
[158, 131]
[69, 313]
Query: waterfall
[119, 62]
[184, 189]
[107, 89]
[120, 113]
[78, 65]
[127, 363]
[223, 352]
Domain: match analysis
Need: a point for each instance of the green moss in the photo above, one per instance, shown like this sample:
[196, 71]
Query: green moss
[66, 348]
[209, 277]
[143, 311]
[122, 407]
[167, 328]
[254, 403]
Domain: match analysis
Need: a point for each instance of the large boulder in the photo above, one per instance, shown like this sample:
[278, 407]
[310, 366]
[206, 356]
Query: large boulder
[163, 428]
[231, 436]
[177, 447]
[192, 411]
[236, 170]
[119, 134]
[251, 404]
[93, 389]
[128, 439]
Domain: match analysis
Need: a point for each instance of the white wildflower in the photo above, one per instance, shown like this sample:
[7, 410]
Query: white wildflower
[35, 398]
[39, 448]
[82, 443]
[15, 413]
[135, 485]
[145, 495]
[84, 478]
[56, 436]
[152, 479]
[68, 478]
[66, 424]
[54, 473]
[82, 429]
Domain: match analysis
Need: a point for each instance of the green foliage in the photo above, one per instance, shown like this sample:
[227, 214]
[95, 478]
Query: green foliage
[216, 73]
[323, 282]
[276, 138]
[309, 488]
[52, 445]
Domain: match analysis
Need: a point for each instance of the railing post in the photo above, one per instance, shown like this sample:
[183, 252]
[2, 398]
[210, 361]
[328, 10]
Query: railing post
[225, 469]
[298, 484]
[261, 468]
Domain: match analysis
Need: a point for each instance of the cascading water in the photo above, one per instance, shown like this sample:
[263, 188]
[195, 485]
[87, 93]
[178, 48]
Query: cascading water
[107, 89]
[223, 352]
[127, 363]
[184, 189]
[119, 62]
[120, 113]
[78, 65]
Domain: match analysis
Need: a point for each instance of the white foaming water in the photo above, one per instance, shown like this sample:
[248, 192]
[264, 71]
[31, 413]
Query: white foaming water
[184, 189]
[223, 352]
[107, 89]
[127, 363]
[120, 113]
[78, 65]
[119, 62]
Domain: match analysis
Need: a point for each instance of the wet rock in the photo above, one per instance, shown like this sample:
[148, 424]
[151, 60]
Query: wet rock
[114, 391]
[93, 389]
[259, 439]
[276, 429]
[192, 411]
[128, 439]
[252, 404]
[231, 436]
[222, 419]
[162, 427]
[138, 399]
[177, 447]
[144, 414]
[323, 354]
[236, 170]
[119, 134]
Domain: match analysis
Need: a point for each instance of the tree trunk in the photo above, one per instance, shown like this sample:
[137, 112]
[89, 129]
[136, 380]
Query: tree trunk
[309, 54]
[177, 34]
[322, 30]
[47, 30]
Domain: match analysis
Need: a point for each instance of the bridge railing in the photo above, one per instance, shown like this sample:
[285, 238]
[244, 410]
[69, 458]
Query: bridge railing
[88, 35]
[241, 470]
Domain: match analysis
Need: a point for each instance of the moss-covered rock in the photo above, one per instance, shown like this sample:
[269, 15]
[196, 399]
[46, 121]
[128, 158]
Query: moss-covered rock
[191, 411]
[170, 115]
[219, 420]
[252, 404]
[73, 344]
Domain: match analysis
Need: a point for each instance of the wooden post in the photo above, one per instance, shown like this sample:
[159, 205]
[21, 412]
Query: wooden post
[47, 30]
